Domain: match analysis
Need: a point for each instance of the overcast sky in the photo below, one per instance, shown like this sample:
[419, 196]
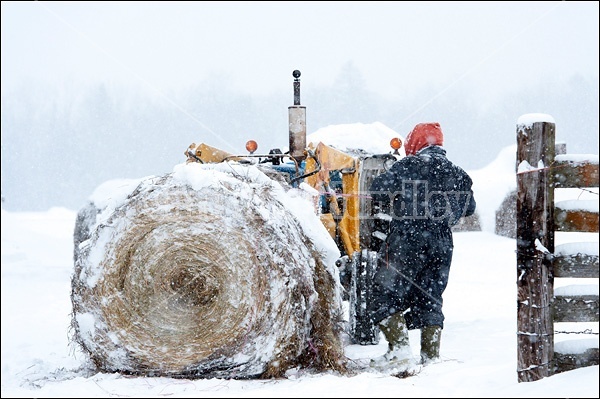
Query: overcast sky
[397, 46]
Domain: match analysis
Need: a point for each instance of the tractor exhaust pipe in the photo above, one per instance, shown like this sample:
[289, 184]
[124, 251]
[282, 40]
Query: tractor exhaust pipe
[297, 123]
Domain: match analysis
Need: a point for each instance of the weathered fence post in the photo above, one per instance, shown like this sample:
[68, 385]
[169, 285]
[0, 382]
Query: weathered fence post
[535, 240]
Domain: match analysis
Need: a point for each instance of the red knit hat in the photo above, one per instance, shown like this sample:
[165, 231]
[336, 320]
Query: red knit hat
[423, 135]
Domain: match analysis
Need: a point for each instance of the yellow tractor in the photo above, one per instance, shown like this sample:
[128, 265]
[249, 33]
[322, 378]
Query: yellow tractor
[205, 272]
[342, 179]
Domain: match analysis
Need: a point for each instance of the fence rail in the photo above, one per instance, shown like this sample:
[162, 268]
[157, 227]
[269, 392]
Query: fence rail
[575, 266]
[539, 172]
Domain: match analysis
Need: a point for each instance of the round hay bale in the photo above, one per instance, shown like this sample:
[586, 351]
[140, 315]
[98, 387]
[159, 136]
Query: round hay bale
[506, 216]
[468, 223]
[204, 272]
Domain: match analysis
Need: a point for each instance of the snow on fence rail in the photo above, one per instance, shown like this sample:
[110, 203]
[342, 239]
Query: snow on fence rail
[539, 306]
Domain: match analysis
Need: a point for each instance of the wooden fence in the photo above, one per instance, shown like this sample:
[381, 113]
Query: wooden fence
[539, 172]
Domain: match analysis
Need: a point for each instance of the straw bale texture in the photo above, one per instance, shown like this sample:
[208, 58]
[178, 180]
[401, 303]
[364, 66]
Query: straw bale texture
[213, 281]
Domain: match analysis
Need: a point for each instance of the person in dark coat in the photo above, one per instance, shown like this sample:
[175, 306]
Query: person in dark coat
[425, 194]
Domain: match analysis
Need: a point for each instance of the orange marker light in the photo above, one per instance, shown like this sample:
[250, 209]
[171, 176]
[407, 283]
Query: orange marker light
[251, 146]
[395, 143]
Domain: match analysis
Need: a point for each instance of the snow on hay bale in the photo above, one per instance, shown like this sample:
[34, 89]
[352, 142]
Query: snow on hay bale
[205, 272]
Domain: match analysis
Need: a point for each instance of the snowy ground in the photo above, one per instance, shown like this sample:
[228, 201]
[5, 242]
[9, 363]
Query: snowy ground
[479, 349]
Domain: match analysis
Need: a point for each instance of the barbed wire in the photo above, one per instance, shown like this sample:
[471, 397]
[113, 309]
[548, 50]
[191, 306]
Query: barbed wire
[586, 331]
[588, 190]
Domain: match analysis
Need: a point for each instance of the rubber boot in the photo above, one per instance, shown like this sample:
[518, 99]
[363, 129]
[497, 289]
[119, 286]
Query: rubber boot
[430, 343]
[399, 353]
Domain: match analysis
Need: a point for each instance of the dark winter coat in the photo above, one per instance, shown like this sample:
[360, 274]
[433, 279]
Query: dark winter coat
[425, 194]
